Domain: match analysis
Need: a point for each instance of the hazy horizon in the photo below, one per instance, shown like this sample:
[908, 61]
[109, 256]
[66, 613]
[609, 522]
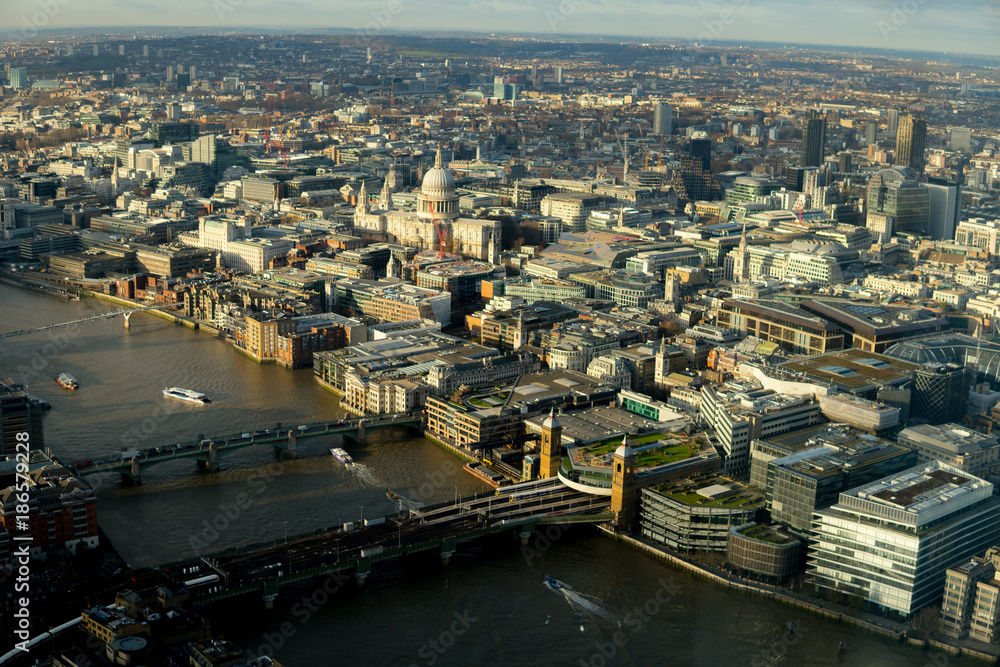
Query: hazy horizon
[961, 26]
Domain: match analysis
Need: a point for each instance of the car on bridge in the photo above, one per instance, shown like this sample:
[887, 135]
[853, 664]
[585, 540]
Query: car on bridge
[83, 464]
[303, 428]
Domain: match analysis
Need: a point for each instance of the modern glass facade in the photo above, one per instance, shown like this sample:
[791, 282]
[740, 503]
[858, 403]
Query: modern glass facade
[891, 542]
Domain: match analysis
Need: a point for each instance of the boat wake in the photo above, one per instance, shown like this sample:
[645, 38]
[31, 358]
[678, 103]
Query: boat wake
[365, 474]
[583, 604]
[408, 504]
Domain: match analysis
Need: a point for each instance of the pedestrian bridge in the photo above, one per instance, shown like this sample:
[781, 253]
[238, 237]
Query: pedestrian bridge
[208, 451]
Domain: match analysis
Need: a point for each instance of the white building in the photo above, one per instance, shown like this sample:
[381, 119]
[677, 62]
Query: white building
[740, 411]
[969, 451]
[611, 370]
[436, 219]
[251, 255]
[891, 541]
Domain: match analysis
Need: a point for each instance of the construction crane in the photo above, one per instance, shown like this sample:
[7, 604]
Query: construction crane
[623, 147]
[267, 129]
[437, 227]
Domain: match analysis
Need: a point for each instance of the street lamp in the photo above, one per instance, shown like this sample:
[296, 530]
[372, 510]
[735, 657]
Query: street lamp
[362, 514]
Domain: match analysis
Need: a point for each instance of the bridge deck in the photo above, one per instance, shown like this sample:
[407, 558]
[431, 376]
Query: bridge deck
[338, 550]
[200, 449]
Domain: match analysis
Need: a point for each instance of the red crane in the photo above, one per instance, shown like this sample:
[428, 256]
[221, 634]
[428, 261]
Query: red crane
[437, 228]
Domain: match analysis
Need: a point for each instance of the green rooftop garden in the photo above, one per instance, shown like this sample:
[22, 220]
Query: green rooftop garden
[671, 447]
[686, 491]
[767, 534]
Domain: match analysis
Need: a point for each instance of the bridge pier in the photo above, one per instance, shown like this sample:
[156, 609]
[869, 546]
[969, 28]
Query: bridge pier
[132, 477]
[362, 436]
[290, 446]
[269, 601]
[127, 316]
[525, 535]
[212, 464]
[363, 570]
[448, 547]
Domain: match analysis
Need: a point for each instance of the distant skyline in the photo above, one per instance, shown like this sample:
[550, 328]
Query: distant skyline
[964, 26]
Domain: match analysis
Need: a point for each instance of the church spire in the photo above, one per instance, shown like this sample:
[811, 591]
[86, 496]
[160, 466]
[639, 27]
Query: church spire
[385, 197]
[363, 198]
[439, 159]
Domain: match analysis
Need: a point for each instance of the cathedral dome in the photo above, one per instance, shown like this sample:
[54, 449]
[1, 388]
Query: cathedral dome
[436, 180]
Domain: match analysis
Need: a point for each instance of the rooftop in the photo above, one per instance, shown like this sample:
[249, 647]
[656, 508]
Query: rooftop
[711, 490]
[853, 369]
[917, 498]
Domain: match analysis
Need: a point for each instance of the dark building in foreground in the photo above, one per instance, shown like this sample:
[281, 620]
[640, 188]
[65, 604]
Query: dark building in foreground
[18, 414]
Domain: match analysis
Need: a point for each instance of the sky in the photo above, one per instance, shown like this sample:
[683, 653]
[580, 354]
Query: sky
[967, 26]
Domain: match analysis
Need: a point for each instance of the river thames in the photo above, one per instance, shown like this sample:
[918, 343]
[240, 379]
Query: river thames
[488, 606]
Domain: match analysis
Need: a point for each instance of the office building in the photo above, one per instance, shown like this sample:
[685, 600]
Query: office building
[19, 78]
[871, 132]
[18, 414]
[941, 391]
[701, 149]
[663, 121]
[876, 327]
[173, 133]
[892, 120]
[971, 602]
[775, 321]
[741, 411]
[853, 371]
[806, 470]
[813, 145]
[391, 300]
[945, 208]
[696, 516]
[910, 142]
[961, 139]
[890, 542]
[768, 553]
[956, 445]
[893, 192]
[573, 208]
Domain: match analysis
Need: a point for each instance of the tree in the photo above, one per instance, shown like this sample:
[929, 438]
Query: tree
[926, 622]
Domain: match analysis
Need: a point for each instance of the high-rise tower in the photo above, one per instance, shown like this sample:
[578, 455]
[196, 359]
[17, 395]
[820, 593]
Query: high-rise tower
[813, 139]
[910, 142]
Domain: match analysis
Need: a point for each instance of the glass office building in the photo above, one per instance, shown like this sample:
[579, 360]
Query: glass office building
[892, 541]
